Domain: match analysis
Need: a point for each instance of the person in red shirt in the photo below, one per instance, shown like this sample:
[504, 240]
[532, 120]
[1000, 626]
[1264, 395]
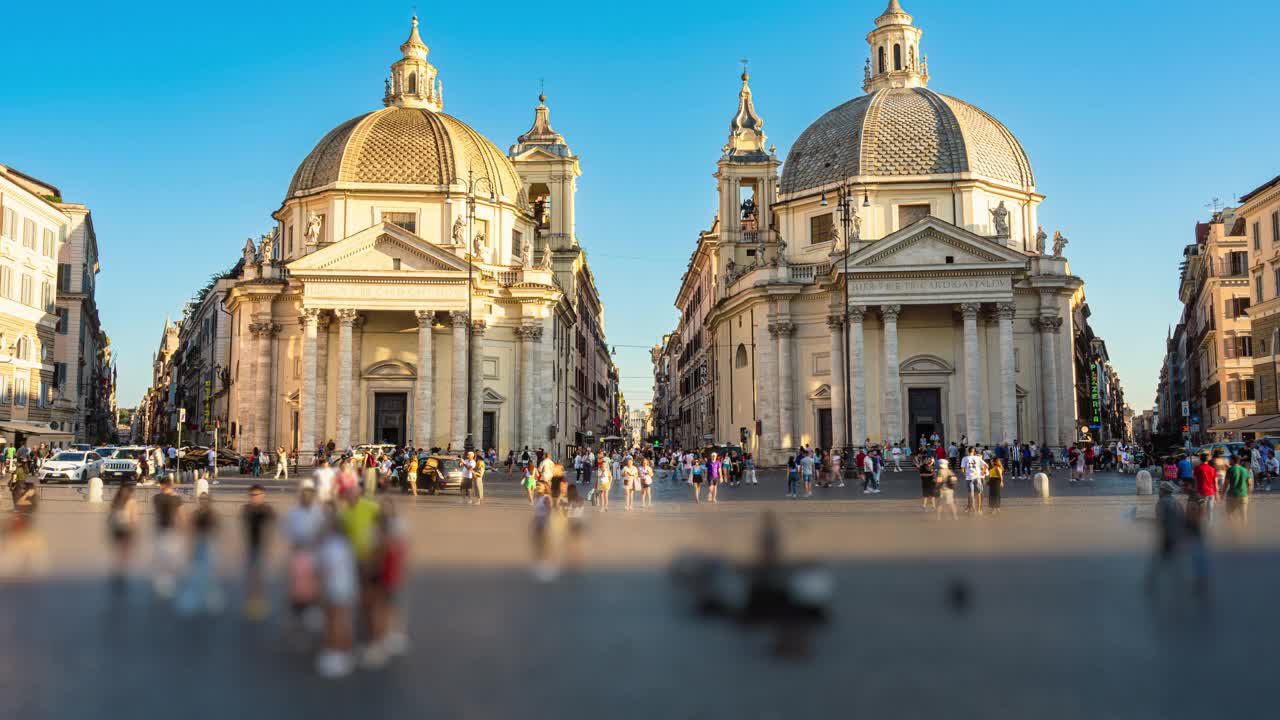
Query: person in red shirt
[940, 453]
[1206, 486]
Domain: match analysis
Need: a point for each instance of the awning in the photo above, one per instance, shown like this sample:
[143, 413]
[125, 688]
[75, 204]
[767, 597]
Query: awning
[1250, 424]
[31, 428]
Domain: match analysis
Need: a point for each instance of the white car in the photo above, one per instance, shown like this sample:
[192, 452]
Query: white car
[123, 464]
[71, 466]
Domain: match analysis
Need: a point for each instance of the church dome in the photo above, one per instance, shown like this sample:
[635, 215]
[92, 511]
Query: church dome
[906, 131]
[405, 146]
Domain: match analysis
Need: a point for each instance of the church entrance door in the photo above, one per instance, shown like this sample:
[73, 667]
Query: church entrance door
[924, 409]
[389, 413]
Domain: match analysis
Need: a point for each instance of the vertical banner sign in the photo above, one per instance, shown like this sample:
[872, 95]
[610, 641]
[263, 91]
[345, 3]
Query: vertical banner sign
[1095, 400]
[207, 423]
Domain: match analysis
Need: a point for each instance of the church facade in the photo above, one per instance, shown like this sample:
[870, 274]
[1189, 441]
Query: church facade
[421, 287]
[890, 283]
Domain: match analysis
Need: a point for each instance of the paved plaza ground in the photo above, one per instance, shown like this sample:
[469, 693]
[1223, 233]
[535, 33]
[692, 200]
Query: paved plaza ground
[1058, 625]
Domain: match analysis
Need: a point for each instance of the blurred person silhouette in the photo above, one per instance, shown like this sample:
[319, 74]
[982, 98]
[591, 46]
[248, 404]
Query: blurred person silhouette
[945, 479]
[1171, 530]
[387, 635]
[339, 593]
[257, 517]
[200, 591]
[575, 515]
[360, 522]
[122, 526]
[304, 525]
[323, 479]
[24, 549]
[170, 516]
[530, 480]
[544, 570]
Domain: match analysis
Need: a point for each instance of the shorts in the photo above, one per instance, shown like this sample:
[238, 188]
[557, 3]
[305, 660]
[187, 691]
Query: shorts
[947, 495]
[1236, 504]
[975, 487]
[713, 479]
[697, 479]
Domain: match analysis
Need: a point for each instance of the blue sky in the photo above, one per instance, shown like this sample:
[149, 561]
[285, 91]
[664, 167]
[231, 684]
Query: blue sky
[181, 124]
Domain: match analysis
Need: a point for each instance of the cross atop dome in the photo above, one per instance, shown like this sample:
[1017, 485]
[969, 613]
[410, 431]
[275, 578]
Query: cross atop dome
[895, 60]
[746, 133]
[413, 82]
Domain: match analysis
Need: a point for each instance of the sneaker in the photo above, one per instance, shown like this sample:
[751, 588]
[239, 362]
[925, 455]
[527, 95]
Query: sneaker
[374, 656]
[840, 485]
[866, 491]
[334, 664]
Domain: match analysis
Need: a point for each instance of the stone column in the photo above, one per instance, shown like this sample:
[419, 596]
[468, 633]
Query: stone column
[477, 384]
[322, 378]
[307, 397]
[530, 336]
[356, 399]
[246, 395]
[972, 364]
[265, 376]
[858, 421]
[892, 391]
[346, 319]
[1048, 328]
[786, 411]
[458, 386]
[836, 324]
[766, 394]
[423, 400]
[1008, 377]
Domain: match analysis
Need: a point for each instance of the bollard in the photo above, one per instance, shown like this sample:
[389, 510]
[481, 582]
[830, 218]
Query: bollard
[1144, 482]
[1041, 484]
[95, 490]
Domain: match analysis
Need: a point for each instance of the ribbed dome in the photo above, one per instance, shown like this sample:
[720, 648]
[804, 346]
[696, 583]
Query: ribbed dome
[406, 146]
[898, 132]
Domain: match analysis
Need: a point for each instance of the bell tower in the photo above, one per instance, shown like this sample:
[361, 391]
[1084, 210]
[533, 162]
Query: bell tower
[747, 180]
[895, 60]
[550, 173]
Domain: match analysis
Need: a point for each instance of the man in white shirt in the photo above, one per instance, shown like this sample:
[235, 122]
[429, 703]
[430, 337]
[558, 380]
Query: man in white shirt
[896, 454]
[975, 470]
[547, 470]
[211, 462]
[324, 476]
[468, 470]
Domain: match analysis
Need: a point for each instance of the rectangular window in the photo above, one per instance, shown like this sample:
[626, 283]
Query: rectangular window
[517, 244]
[29, 234]
[1239, 263]
[1250, 392]
[819, 229]
[8, 227]
[6, 283]
[1233, 391]
[46, 244]
[20, 391]
[63, 320]
[406, 220]
[64, 277]
[1257, 288]
[1275, 226]
[42, 398]
[27, 296]
[908, 214]
[46, 296]
[288, 239]
[1257, 235]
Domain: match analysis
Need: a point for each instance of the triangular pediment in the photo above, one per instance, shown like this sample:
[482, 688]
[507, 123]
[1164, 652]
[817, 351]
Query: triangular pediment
[377, 249]
[928, 243]
[533, 152]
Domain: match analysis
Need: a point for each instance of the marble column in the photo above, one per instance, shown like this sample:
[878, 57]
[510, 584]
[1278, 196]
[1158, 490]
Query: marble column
[892, 429]
[322, 378]
[477, 384]
[1048, 328]
[530, 335]
[836, 324]
[265, 376]
[346, 319]
[423, 401]
[1008, 376]
[358, 425]
[458, 386]
[786, 411]
[766, 398]
[972, 366]
[858, 419]
[246, 395]
[307, 397]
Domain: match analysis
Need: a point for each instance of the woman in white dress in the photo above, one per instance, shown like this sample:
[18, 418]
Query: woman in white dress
[630, 481]
[646, 484]
[604, 480]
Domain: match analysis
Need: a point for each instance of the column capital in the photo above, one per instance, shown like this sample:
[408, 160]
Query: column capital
[459, 318]
[425, 317]
[835, 322]
[529, 333]
[890, 312]
[1006, 311]
[264, 329]
[857, 313]
[322, 319]
[309, 316]
[969, 310]
[1047, 324]
[346, 316]
[783, 329]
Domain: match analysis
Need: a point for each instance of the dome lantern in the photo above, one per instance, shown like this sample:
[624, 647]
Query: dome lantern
[746, 130]
[413, 81]
[895, 61]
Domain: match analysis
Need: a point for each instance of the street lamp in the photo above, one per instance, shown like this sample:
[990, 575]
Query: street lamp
[850, 226]
[470, 184]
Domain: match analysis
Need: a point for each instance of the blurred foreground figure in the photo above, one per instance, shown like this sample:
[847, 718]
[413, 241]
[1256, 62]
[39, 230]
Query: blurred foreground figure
[1179, 532]
[168, 545]
[257, 516]
[24, 551]
[122, 525]
[200, 591]
[789, 598]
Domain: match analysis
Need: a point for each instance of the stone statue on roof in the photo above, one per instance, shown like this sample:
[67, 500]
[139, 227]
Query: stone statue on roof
[266, 248]
[1000, 217]
[546, 257]
[1059, 243]
[526, 252]
[250, 252]
[459, 230]
[314, 224]
[1041, 238]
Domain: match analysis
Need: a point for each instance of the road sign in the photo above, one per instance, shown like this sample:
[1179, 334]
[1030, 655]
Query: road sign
[1186, 409]
[182, 415]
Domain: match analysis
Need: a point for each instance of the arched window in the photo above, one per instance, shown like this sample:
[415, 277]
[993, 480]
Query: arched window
[882, 59]
[413, 83]
[740, 357]
[897, 57]
[23, 349]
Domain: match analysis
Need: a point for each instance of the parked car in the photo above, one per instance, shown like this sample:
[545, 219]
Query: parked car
[196, 457]
[437, 474]
[123, 464]
[71, 466]
[1227, 448]
[106, 451]
[82, 447]
[361, 451]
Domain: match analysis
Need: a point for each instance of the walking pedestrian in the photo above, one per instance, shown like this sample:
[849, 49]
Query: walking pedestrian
[304, 527]
[630, 482]
[995, 485]
[1238, 488]
[411, 474]
[696, 474]
[122, 525]
[211, 465]
[646, 484]
[946, 483]
[928, 489]
[793, 477]
[715, 473]
[1206, 477]
[867, 465]
[468, 475]
[169, 515]
[750, 463]
[807, 464]
[530, 480]
[339, 585]
[604, 481]
[282, 464]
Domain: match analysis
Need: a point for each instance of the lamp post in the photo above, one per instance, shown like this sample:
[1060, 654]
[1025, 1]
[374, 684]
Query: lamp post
[850, 226]
[469, 184]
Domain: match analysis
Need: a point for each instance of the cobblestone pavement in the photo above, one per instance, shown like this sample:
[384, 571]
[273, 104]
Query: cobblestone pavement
[1058, 626]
